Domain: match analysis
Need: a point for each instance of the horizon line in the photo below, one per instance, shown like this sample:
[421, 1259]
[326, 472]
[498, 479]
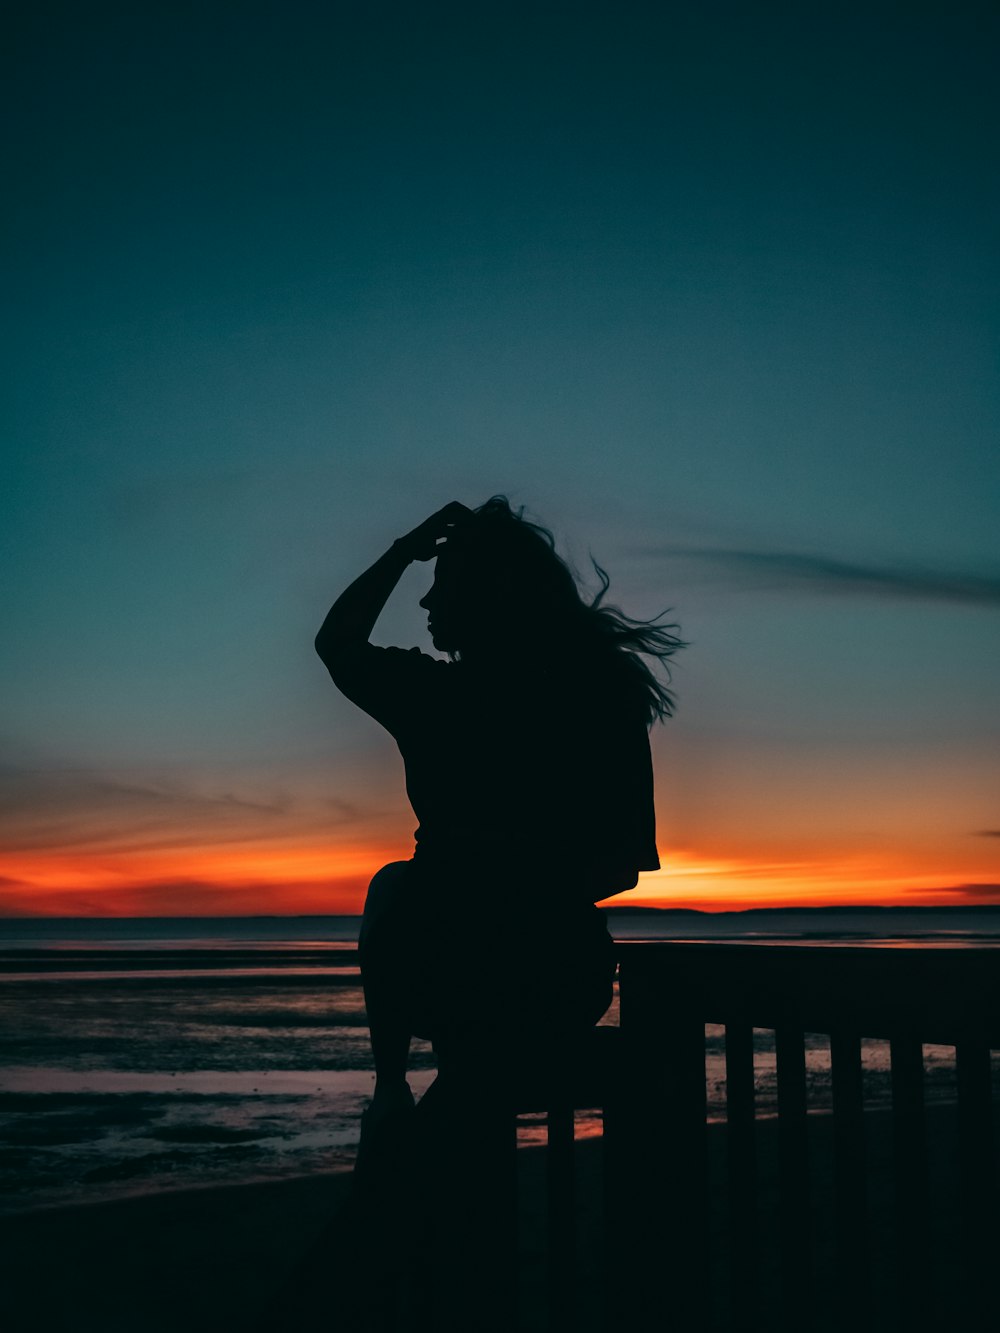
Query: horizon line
[637, 908]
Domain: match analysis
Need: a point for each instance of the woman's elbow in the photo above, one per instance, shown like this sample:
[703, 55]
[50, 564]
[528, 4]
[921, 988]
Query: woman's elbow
[328, 646]
[336, 651]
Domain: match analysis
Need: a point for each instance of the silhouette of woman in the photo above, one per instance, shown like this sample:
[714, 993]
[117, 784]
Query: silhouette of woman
[528, 767]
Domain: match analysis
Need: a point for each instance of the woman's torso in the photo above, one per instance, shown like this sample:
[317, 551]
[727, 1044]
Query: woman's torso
[518, 774]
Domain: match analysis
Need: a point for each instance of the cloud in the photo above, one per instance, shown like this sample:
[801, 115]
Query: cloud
[987, 892]
[987, 833]
[338, 894]
[789, 571]
[85, 809]
[33, 788]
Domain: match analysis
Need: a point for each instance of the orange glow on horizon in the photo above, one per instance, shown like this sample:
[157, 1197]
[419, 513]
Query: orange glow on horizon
[287, 878]
[734, 885]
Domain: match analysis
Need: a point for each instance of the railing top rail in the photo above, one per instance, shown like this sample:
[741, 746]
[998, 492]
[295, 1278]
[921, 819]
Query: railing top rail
[943, 994]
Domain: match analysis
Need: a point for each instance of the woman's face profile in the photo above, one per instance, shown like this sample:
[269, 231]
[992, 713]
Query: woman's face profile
[454, 615]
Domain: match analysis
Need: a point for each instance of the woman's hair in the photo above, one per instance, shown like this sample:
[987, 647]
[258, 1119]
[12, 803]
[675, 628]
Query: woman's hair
[512, 563]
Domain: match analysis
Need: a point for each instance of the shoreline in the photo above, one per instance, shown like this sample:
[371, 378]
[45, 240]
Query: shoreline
[342, 1160]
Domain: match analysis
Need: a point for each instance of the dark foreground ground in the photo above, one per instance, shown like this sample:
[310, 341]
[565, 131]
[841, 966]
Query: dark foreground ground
[217, 1258]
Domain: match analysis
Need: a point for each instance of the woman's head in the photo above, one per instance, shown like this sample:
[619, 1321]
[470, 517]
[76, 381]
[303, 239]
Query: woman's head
[498, 583]
[500, 590]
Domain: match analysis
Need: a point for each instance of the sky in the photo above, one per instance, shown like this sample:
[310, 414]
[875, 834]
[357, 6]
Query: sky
[712, 290]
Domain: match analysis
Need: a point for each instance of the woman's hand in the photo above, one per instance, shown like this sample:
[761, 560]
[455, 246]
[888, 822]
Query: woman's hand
[425, 541]
[352, 617]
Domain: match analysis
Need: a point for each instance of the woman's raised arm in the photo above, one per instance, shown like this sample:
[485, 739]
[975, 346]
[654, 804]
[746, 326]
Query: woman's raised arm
[352, 617]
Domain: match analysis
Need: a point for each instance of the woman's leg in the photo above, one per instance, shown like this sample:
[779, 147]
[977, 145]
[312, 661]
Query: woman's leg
[381, 946]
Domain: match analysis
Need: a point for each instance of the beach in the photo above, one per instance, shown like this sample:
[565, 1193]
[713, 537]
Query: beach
[152, 1055]
[228, 1257]
[186, 1259]
[179, 1114]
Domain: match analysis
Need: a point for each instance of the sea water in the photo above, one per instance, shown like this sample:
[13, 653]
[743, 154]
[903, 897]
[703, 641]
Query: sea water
[140, 1055]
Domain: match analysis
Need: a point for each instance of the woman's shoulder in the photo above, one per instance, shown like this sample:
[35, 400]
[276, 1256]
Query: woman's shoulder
[413, 659]
[416, 667]
[389, 682]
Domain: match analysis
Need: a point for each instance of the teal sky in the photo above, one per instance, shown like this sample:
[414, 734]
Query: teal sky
[711, 289]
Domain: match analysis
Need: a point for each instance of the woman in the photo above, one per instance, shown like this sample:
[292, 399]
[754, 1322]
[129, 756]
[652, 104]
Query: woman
[528, 767]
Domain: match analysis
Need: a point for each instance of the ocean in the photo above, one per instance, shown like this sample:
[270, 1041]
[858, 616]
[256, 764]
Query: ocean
[150, 1054]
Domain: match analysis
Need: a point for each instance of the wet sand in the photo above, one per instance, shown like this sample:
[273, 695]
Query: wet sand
[218, 1258]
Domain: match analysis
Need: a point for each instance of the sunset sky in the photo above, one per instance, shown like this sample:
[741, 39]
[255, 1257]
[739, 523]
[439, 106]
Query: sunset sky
[711, 289]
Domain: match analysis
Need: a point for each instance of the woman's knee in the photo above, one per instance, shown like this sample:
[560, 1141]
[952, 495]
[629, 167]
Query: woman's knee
[386, 886]
[385, 893]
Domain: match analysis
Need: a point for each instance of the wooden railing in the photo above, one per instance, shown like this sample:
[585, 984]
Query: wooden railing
[768, 1218]
[667, 1224]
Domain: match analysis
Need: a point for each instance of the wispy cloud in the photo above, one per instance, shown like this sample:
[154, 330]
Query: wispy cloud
[987, 833]
[790, 571]
[85, 809]
[339, 893]
[987, 892]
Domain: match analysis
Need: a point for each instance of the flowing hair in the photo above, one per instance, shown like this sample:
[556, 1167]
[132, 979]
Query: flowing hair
[514, 561]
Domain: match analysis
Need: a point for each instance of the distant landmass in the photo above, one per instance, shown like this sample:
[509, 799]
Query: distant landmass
[622, 909]
[616, 910]
[963, 923]
[960, 908]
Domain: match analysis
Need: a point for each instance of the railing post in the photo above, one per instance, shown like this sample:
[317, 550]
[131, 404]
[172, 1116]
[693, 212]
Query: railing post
[977, 1172]
[638, 1157]
[853, 1277]
[741, 1148]
[687, 1241]
[914, 1293]
[793, 1179]
[657, 1156]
